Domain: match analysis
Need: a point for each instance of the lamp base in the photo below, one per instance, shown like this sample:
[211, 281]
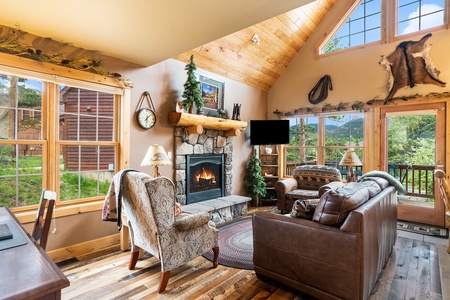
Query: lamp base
[155, 172]
[351, 175]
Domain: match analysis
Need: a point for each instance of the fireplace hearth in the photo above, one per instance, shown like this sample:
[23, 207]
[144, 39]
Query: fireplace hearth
[205, 177]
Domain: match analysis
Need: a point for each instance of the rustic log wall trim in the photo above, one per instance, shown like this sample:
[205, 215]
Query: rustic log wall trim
[357, 105]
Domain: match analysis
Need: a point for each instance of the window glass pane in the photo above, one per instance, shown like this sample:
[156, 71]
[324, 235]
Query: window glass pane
[373, 22]
[358, 13]
[304, 132]
[344, 130]
[20, 108]
[333, 157]
[356, 26]
[373, 7]
[299, 156]
[302, 148]
[20, 175]
[373, 35]
[86, 115]
[357, 39]
[87, 171]
[363, 26]
[419, 15]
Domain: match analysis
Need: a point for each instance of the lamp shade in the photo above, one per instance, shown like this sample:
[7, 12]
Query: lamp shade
[156, 156]
[350, 159]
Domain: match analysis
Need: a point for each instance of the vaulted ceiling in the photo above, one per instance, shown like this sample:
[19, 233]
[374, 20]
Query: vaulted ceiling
[147, 32]
[237, 57]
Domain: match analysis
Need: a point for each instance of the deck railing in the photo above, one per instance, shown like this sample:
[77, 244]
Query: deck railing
[417, 179]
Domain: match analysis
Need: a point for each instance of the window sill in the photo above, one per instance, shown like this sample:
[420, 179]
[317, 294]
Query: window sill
[62, 211]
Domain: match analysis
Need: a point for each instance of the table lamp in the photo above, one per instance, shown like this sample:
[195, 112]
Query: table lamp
[350, 160]
[156, 156]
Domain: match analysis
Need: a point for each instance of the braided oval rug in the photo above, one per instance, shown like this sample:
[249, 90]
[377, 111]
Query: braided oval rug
[235, 244]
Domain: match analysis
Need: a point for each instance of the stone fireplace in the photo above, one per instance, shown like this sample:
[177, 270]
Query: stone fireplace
[191, 149]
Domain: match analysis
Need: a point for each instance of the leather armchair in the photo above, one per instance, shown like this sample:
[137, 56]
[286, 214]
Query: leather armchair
[307, 182]
[149, 204]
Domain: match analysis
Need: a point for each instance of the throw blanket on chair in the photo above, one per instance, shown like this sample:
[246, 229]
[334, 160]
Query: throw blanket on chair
[112, 207]
[392, 180]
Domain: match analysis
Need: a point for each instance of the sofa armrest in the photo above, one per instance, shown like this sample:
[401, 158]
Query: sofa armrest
[329, 186]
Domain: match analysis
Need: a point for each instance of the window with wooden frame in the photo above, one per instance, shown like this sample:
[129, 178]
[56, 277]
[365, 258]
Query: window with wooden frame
[368, 22]
[323, 140]
[61, 136]
[414, 16]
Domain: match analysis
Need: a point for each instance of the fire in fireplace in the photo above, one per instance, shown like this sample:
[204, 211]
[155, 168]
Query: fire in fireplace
[205, 177]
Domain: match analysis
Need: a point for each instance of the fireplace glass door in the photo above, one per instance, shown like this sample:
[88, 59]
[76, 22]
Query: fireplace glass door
[205, 177]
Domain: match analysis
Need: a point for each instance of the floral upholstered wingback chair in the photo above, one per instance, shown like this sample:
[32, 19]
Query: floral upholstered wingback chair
[149, 204]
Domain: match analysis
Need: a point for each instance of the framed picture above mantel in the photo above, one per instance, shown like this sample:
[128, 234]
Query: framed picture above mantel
[212, 95]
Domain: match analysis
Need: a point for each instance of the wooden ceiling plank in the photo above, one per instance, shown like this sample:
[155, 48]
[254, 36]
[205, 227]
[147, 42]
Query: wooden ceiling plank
[236, 57]
[265, 51]
[292, 16]
[254, 53]
[307, 20]
[298, 34]
[239, 73]
[214, 53]
[273, 45]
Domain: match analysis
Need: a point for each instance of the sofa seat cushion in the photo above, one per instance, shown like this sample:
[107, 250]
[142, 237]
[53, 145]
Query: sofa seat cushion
[335, 205]
[312, 177]
[302, 194]
[304, 208]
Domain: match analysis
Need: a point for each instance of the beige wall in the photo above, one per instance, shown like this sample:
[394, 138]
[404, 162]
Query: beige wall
[356, 75]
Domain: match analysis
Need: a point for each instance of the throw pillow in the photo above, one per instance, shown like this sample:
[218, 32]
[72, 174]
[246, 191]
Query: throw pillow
[304, 208]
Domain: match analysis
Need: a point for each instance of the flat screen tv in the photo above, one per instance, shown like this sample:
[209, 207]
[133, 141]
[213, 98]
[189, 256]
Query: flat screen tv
[269, 132]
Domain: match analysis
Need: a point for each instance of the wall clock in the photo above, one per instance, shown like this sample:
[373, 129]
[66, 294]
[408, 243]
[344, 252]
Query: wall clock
[146, 116]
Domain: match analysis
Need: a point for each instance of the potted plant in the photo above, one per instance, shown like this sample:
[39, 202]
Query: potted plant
[192, 93]
[254, 181]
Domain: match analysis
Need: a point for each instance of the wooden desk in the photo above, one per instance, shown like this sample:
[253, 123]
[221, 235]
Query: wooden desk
[27, 272]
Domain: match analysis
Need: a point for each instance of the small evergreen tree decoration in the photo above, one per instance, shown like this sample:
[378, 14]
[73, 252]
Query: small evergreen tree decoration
[192, 93]
[254, 182]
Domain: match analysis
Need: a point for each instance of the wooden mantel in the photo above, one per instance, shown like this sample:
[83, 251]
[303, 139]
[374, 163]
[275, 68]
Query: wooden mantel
[195, 123]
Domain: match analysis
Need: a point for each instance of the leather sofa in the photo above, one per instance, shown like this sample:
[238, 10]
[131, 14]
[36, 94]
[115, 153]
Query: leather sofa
[307, 182]
[340, 253]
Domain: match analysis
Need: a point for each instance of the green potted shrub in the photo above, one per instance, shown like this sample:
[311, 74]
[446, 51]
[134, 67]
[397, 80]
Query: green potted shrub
[192, 93]
[254, 181]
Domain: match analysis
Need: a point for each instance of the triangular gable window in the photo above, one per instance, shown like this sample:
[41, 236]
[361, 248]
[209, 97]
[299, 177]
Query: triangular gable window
[360, 25]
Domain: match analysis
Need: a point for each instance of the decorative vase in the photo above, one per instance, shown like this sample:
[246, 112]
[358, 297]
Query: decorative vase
[268, 150]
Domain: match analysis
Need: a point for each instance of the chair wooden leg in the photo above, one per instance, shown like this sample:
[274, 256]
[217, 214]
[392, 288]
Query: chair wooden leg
[164, 279]
[216, 257]
[133, 260]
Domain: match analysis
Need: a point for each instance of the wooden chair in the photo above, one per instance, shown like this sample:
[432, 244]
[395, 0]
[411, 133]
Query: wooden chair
[445, 192]
[42, 224]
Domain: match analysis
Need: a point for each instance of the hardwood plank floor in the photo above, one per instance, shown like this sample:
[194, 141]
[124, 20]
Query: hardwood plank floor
[417, 269]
